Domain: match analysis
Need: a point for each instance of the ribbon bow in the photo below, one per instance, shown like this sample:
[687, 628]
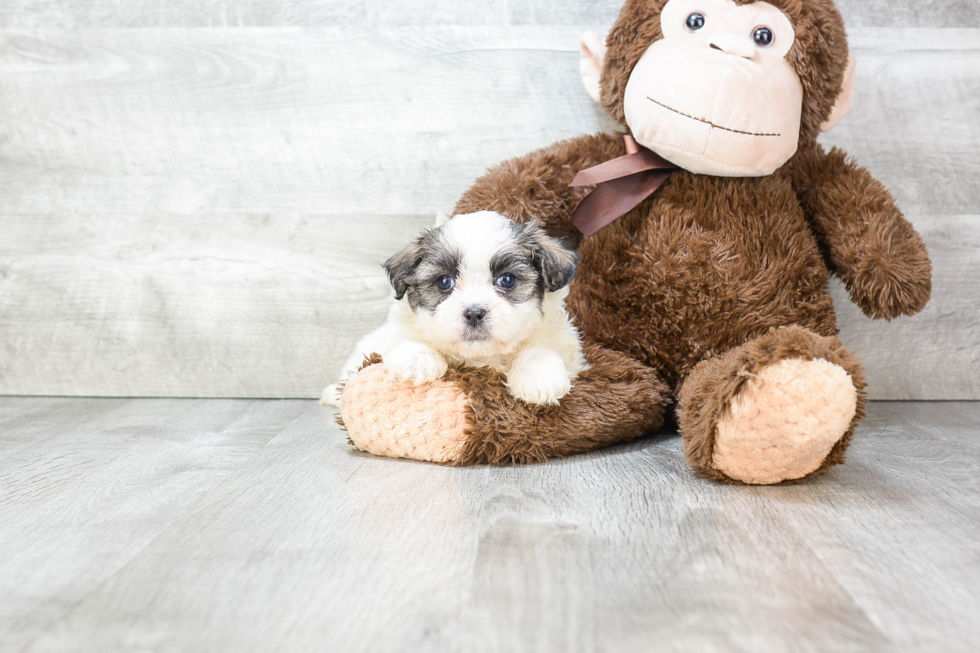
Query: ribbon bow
[623, 183]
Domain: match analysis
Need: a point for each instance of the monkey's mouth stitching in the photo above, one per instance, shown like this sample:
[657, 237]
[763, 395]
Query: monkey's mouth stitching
[708, 122]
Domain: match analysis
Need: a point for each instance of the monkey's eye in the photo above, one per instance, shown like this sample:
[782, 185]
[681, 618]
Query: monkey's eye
[507, 281]
[445, 283]
[763, 37]
[695, 21]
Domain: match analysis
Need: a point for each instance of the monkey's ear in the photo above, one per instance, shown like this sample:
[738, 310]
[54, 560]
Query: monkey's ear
[844, 100]
[593, 58]
[400, 267]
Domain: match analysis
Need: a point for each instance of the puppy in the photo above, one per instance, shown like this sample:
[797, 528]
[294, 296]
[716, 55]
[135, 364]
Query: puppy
[480, 290]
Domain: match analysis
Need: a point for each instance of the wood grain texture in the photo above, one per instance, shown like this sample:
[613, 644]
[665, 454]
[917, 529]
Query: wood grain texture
[48, 14]
[213, 305]
[97, 482]
[191, 526]
[201, 212]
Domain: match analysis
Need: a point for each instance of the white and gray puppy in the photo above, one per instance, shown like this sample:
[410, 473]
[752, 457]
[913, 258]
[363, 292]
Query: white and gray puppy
[480, 290]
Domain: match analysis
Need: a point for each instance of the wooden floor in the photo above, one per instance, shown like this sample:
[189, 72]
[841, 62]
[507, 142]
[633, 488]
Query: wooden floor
[210, 525]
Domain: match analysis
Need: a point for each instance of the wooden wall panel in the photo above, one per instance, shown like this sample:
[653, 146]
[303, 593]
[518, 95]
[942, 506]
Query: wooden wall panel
[47, 14]
[201, 212]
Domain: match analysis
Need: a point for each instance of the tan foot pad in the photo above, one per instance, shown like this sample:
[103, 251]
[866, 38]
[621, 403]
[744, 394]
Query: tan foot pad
[785, 421]
[400, 420]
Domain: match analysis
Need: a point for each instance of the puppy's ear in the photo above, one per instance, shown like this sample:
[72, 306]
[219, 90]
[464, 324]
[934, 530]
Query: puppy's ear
[400, 267]
[556, 263]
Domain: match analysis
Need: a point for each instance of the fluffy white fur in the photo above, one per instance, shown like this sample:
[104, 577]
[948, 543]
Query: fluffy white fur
[534, 344]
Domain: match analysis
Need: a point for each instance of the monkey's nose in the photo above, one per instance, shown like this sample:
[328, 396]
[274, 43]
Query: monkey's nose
[474, 315]
[732, 44]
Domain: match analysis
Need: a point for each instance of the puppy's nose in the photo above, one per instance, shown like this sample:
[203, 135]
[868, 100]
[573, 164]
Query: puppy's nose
[474, 315]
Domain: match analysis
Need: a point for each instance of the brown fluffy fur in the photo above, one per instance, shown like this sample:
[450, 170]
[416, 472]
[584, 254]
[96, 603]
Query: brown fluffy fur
[617, 400]
[709, 278]
[880, 258]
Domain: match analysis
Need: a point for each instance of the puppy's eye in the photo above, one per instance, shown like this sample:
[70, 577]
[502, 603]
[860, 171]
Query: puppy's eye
[506, 281]
[763, 37]
[695, 22]
[445, 283]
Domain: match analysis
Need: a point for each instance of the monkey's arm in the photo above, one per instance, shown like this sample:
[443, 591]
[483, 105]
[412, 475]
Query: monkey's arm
[866, 241]
[536, 185]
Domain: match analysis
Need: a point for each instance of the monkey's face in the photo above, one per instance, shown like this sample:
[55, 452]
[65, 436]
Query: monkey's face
[723, 87]
[716, 95]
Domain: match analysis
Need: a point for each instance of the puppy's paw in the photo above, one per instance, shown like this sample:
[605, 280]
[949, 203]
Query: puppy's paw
[415, 363]
[540, 378]
[331, 395]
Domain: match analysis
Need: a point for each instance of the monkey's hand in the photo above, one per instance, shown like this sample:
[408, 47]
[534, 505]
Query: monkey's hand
[866, 240]
[888, 272]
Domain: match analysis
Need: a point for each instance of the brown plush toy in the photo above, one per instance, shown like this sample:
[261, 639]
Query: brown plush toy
[711, 293]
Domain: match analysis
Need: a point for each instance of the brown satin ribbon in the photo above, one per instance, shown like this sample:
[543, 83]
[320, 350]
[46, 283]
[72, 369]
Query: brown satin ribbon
[621, 184]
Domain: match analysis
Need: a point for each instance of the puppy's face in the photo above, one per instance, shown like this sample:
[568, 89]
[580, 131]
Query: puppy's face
[477, 283]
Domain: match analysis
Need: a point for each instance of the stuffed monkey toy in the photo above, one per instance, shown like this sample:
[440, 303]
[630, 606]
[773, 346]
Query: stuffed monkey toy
[702, 287]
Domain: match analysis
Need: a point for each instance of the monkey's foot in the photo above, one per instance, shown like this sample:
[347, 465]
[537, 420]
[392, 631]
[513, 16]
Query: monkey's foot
[401, 420]
[471, 417]
[784, 422]
[779, 409]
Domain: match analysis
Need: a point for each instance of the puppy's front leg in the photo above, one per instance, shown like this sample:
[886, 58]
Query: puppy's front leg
[378, 341]
[415, 362]
[539, 376]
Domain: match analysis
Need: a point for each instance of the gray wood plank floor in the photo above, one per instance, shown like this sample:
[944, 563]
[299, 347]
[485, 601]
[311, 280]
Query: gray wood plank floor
[169, 525]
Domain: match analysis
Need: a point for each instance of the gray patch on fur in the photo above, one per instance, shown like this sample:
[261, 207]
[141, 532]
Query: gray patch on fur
[517, 259]
[555, 264]
[415, 271]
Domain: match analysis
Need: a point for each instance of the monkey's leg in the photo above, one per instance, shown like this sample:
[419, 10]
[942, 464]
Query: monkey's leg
[780, 408]
[469, 416]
